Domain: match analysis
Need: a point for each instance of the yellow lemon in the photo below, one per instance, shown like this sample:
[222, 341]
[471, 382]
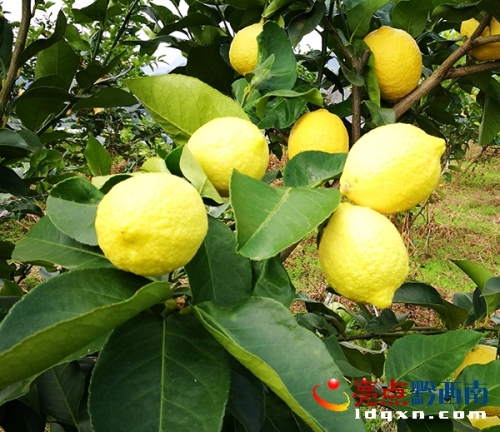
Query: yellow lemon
[392, 168]
[398, 62]
[318, 130]
[228, 143]
[151, 224]
[244, 49]
[362, 255]
[484, 423]
[485, 52]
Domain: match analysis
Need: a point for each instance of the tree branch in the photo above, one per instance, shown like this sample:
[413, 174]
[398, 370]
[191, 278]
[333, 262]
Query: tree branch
[473, 69]
[356, 99]
[15, 62]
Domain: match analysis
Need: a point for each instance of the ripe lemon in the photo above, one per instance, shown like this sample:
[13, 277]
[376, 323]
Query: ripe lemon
[362, 255]
[484, 423]
[480, 354]
[244, 49]
[318, 130]
[151, 224]
[485, 52]
[392, 168]
[228, 143]
[398, 62]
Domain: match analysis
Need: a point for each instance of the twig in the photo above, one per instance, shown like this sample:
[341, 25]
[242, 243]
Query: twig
[356, 98]
[15, 62]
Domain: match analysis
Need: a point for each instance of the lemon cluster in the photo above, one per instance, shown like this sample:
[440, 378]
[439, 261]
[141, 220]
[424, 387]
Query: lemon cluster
[390, 169]
[484, 52]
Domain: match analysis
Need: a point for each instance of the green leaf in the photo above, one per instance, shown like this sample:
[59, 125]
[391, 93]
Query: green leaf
[79, 307]
[6, 43]
[477, 272]
[192, 170]
[96, 11]
[492, 286]
[490, 124]
[274, 6]
[181, 104]
[425, 425]
[217, 273]
[95, 70]
[257, 333]
[280, 418]
[283, 214]
[155, 164]
[10, 288]
[43, 44]
[281, 113]
[45, 244]
[194, 19]
[60, 60]
[305, 23]
[281, 72]
[428, 357]
[340, 358]
[157, 374]
[411, 16]
[313, 168]
[16, 390]
[97, 157]
[108, 97]
[371, 82]
[13, 145]
[354, 78]
[360, 16]
[72, 35]
[207, 64]
[61, 389]
[72, 207]
[380, 116]
[19, 417]
[11, 183]
[420, 294]
[271, 280]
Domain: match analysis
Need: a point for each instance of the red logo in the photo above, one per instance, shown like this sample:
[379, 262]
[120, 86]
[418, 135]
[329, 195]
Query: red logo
[333, 384]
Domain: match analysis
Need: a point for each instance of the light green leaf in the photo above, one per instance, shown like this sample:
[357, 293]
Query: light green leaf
[257, 333]
[157, 374]
[283, 214]
[181, 104]
[97, 157]
[217, 273]
[78, 308]
[45, 244]
[72, 207]
[360, 16]
[380, 116]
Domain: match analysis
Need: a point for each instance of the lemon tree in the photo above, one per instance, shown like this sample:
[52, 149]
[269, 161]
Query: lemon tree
[166, 303]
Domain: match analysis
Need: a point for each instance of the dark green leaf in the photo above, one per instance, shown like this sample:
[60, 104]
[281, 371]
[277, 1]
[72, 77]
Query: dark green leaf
[45, 244]
[420, 294]
[385, 322]
[192, 20]
[258, 332]
[16, 416]
[280, 72]
[6, 43]
[206, 64]
[60, 390]
[371, 83]
[95, 70]
[43, 44]
[106, 98]
[360, 16]
[465, 302]
[490, 124]
[72, 207]
[11, 183]
[157, 374]
[13, 145]
[492, 286]
[271, 279]
[79, 307]
[411, 16]
[10, 288]
[59, 60]
[428, 358]
[280, 418]
[217, 273]
[305, 23]
[97, 157]
[72, 35]
[96, 11]
[313, 168]
[181, 104]
[425, 425]
[283, 214]
[340, 359]
[281, 113]
[6, 248]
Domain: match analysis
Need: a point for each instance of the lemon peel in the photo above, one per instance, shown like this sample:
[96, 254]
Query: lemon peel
[151, 224]
[244, 49]
[392, 168]
[363, 255]
[398, 61]
[228, 143]
[318, 130]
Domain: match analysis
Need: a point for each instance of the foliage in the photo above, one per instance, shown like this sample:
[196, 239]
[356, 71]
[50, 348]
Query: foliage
[214, 346]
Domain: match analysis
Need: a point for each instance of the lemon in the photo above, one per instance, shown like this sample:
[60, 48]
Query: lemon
[244, 49]
[392, 168]
[318, 130]
[362, 255]
[151, 224]
[485, 52]
[480, 354]
[228, 143]
[398, 62]
[484, 423]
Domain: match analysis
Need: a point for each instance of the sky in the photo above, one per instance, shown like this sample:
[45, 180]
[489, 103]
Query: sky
[172, 57]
